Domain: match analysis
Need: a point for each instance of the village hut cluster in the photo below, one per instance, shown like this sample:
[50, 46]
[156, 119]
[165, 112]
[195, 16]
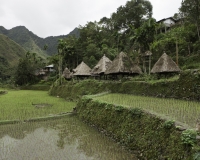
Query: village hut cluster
[121, 65]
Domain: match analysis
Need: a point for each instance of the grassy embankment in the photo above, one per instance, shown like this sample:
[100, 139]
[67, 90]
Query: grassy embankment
[179, 110]
[148, 135]
[18, 105]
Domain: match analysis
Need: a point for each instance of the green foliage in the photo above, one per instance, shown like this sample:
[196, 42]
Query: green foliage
[196, 156]
[188, 137]
[119, 108]
[10, 52]
[74, 89]
[144, 133]
[25, 71]
[108, 106]
[168, 124]
[191, 9]
[145, 34]
[131, 29]
[6, 71]
[182, 111]
[33, 43]
[136, 111]
[111, 35]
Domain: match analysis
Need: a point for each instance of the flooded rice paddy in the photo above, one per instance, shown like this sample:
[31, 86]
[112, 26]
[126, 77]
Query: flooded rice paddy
[66, 138]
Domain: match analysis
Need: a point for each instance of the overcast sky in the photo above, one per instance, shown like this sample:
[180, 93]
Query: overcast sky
[59, 17]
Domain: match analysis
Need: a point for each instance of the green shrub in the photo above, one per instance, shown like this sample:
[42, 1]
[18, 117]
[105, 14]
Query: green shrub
[119, 108]
[197, 156]
[168, 124]
[188, 137]
[136, 111]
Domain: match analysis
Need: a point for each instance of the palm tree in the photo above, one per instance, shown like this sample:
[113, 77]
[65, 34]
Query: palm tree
[61, 52]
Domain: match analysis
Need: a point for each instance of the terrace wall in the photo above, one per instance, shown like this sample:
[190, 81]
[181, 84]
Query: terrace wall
[186, 87]
[149, 136]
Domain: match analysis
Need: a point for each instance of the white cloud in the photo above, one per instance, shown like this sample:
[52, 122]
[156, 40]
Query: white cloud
[59, 17]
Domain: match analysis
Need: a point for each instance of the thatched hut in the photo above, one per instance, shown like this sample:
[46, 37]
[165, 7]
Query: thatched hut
[67, 74]
[165, 64]
[123, 65]
[82, 70]
[101, 66]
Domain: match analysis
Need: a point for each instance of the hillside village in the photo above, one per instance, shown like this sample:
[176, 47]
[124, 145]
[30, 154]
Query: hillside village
[123, 64]
[176, 36]
[125, 87]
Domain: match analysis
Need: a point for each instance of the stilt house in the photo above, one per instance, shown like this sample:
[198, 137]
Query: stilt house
[82, 70]
[101, 66]
[165, 64]
[123, 65]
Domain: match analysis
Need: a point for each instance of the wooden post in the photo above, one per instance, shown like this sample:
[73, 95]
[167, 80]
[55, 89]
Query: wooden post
[149, 64]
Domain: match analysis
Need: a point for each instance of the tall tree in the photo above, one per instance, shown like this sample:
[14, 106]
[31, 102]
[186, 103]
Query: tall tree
[133, 13]
[25, 71]
[144, 35]
[61, 52]
[191, 12]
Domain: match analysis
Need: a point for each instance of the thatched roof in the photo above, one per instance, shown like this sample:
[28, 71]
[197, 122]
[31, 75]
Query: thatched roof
[67, 74]
[123, 64]
[82, 70]
[165, 64]
[102, 65]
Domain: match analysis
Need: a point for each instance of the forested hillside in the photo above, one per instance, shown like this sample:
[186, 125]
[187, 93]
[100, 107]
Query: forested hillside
[130, 29]
[10, 53]
[30, 42]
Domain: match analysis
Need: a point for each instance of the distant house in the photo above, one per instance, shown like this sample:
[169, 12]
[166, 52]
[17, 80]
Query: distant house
[44, 72]
[49, 68]
[167, 23]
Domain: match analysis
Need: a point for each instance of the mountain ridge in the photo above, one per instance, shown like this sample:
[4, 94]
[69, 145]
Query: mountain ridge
[10, 51]
[33, 43]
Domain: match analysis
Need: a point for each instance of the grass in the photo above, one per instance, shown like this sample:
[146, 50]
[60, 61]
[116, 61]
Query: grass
[17, 105]
[183, 111]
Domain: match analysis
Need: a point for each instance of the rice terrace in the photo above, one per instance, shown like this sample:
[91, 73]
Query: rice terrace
[124, 88]
[178, 110]
[19, 126]
[25, 104]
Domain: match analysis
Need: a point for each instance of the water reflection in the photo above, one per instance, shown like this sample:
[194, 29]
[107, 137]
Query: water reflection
[66, 138]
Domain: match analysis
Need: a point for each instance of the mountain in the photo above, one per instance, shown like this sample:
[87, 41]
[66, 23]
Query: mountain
[52, 41]
[10, 51]
[31, 42]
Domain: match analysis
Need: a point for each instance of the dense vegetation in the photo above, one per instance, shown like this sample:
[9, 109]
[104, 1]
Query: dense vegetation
[10, 53]
[183, 111]
[27, 69]
[148, 135]
[133, 29]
